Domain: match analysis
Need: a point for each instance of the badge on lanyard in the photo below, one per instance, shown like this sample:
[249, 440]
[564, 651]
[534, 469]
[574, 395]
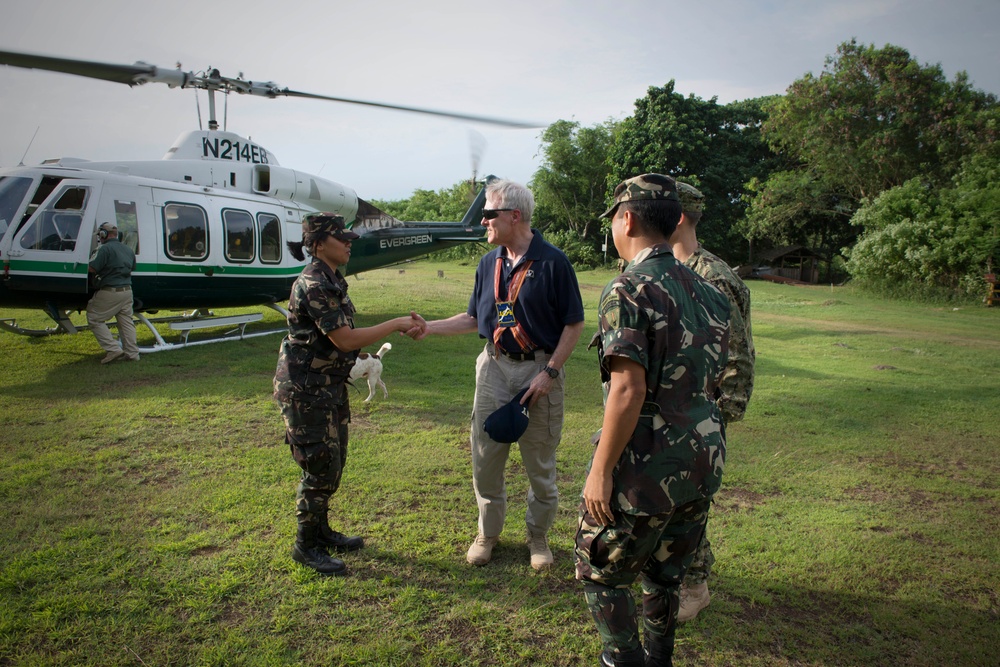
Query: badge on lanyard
[505, 314]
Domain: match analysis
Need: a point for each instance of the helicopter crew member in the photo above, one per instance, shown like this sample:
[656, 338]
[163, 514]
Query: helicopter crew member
[526, 303]
[111, 270]
[310, 383]
[663, 342]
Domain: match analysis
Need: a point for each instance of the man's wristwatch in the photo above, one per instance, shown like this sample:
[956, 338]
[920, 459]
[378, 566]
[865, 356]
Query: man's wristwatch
[551, 372]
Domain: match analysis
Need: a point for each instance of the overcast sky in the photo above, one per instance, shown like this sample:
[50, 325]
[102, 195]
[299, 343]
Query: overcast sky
[538, 60]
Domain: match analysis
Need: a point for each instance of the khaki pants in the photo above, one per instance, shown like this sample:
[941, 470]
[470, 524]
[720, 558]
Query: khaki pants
[105, 304]
[497, 380]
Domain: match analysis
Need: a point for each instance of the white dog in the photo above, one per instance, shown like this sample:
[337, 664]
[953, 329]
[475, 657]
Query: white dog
[369, 366]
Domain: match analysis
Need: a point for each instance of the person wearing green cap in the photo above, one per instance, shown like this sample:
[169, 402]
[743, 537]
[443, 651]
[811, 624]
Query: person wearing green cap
[737, 381]
[310, 383]
[662, 340]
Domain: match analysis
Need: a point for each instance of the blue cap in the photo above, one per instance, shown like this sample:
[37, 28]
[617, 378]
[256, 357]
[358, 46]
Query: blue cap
[509, 422]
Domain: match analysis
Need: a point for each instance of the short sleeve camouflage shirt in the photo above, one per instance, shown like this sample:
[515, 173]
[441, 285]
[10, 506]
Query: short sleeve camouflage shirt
[309, 363]
[676, 325]
[737, 380]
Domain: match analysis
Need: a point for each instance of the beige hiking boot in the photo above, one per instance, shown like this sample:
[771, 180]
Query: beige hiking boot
[693, 599]
[481, 549]
[541, 556]
[112, 356]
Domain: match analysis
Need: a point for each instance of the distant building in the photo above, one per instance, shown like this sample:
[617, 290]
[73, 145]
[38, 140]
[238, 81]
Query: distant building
[793, 262]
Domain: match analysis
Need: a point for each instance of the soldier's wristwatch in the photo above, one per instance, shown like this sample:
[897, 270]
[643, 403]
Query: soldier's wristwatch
[551, 372]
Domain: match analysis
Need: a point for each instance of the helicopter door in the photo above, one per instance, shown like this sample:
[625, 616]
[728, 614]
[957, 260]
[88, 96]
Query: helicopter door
[125, 207]
[52, 249]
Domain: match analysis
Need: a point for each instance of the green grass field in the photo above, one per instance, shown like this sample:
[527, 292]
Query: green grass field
[148, 515]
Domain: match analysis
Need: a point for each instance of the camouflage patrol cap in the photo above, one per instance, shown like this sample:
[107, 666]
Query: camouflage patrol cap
[330, 223]
[692, 201]
[647, 186]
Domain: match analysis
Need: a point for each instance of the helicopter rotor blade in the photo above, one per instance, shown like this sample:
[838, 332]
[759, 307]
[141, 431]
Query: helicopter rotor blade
[126, 74]
[130, 75]
[433, 112]
[211, 80]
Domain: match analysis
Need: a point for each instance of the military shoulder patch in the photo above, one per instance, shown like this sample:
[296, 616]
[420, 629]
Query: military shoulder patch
[609, 309]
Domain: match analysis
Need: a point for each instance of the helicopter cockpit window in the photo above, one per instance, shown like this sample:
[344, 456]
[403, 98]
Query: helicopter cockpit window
[187, 232]
[57, 226]
[42, 193]
[12, 192]
[238, 227]
[270, 238]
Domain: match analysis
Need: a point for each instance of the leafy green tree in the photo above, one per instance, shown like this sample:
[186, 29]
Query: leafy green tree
[871, 121]
[923, 240]
[875, 118]
[570, 187]
[717, 148]
[799, 208]
[445, 205]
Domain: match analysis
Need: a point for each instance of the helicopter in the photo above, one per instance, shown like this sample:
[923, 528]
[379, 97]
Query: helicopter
[208, 222]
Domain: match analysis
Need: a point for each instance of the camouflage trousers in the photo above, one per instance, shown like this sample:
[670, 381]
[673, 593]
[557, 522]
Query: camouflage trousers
[609, 559]
[316, 433]
[701, 566]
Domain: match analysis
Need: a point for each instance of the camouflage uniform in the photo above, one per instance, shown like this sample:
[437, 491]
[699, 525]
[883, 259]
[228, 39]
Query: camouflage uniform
[737, 380]
[662, 316]
[310, 386]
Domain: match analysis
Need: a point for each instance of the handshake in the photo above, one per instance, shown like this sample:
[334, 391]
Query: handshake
[413, 326]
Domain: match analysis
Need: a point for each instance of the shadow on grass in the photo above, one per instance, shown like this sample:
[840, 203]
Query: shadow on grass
[746, 624]
[794, 625]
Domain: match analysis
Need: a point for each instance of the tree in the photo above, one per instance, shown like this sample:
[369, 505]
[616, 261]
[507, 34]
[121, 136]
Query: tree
[923, 239]
[716, 148]
[871, 121]
[571, 184]
[799, 208]
[445, 205]
[875, 118]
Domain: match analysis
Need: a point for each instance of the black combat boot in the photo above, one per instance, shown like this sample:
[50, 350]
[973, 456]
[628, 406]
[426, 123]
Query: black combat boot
[309, 552]
[658, 652]
[331, 539]
[633, 658]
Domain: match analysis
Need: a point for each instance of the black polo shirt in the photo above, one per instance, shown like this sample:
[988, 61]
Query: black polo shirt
[549, 299]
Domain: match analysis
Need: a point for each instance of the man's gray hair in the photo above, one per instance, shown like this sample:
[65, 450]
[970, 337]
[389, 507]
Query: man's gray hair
[509, 194]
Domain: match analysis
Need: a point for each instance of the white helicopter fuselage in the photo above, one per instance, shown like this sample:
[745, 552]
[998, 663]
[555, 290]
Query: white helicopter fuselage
[209, 224]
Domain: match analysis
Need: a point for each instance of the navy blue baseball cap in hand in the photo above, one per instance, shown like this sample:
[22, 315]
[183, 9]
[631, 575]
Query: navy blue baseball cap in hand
[509, 422]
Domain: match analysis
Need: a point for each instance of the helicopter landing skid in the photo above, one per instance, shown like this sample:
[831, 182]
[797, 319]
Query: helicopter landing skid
[186, 325]
[10, 325]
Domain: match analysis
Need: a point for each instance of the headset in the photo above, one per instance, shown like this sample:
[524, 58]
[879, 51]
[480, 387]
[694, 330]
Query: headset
[105, 230]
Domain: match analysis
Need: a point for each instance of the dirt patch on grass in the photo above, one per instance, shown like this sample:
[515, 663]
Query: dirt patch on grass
[868, 493]
[856, 329]
[206, 550]
[737, 499]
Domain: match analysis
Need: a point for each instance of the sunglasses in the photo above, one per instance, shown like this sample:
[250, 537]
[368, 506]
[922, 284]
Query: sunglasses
[490, 213]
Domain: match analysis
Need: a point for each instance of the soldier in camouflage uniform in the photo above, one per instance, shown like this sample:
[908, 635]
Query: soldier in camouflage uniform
[663, 341]
[737, 380]
[310, 383]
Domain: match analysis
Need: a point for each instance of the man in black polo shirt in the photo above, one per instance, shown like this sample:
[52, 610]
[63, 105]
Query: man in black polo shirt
[526, 304]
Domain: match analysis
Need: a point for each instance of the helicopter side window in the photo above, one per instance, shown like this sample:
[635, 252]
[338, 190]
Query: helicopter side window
[127, 221]
[270, 238]
[187, 232]
[12, 192]
[58, 225]
[238, 228]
